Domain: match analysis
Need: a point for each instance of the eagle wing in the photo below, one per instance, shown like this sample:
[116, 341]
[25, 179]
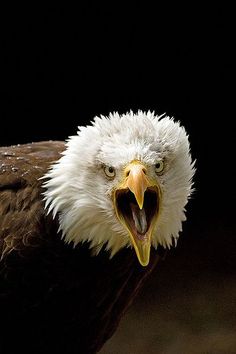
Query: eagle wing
[21, 202]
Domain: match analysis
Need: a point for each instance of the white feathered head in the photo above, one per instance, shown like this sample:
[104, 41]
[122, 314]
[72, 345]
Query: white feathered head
[123, 181]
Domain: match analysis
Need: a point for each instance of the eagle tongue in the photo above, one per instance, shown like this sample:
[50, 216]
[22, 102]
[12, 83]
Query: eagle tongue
[139, 217]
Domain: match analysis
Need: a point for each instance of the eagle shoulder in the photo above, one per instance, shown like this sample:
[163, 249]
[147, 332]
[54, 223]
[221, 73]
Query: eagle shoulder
[22, 212]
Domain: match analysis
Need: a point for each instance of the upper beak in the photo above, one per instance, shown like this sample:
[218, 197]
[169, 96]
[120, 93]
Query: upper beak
[136, 203]
[137, 181]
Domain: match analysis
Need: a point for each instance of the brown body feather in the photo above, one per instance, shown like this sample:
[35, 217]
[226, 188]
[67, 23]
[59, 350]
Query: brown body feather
[54, 298]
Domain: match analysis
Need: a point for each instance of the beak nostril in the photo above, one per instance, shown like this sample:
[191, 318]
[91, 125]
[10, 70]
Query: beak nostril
[127, 172]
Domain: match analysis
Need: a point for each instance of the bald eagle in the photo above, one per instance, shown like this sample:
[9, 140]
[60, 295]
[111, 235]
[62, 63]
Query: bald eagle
[82, 224]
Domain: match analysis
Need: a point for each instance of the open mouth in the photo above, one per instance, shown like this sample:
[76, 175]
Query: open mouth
[138, 221]
[137, 204]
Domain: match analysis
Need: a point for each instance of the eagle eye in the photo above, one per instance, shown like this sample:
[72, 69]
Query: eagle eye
[109, 171]
[159, 166]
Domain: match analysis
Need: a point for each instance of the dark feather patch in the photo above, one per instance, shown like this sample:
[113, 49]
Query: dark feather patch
[21, 206]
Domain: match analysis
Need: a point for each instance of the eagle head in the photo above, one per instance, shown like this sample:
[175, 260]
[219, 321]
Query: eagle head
[122, 181]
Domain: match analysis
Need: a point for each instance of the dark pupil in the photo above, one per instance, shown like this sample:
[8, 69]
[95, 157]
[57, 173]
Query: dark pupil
[157, 165]
[110, 169]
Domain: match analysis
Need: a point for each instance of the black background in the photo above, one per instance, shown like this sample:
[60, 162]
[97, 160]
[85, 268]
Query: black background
[61, 66]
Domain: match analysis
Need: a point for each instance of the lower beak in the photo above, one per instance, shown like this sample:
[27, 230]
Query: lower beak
[136, 202]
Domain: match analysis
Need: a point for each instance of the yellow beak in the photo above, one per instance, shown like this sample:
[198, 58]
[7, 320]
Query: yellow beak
[136, 202]
[137, 181]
